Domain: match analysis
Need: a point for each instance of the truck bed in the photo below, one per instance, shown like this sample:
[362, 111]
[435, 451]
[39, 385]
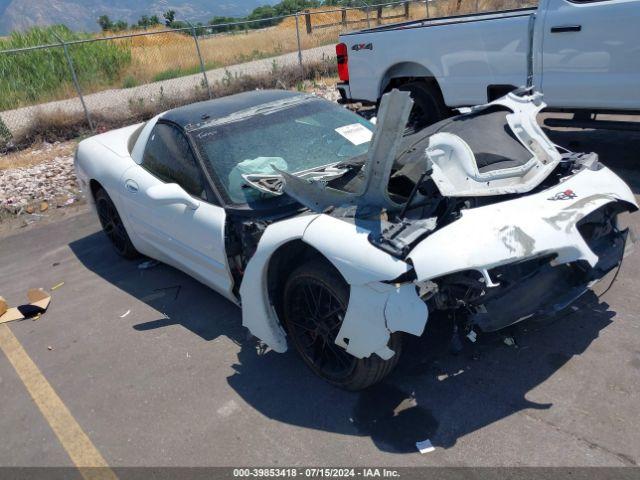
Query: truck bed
[567, 50]
[453, 19]
[465, 56]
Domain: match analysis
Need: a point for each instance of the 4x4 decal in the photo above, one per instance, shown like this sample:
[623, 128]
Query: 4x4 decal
[362, 46]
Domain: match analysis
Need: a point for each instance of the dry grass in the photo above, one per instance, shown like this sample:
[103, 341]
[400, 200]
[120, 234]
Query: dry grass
[172, 54]
[57, 125]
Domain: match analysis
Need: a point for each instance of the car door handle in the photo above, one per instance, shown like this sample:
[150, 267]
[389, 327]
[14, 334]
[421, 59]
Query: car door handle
[566, 28]
[131, 185]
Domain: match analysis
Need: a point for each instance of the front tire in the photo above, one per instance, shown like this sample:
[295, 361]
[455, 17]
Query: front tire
[315, 303]
[113, 227]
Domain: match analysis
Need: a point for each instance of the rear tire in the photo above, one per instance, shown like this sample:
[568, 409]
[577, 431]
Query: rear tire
[113, 227]
[428, 105]
[315, 302]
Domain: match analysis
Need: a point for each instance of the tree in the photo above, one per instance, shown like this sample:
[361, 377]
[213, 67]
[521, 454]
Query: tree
[169, 17]
[105, 23]
[144, 21]
[120, 25]
[179, 24]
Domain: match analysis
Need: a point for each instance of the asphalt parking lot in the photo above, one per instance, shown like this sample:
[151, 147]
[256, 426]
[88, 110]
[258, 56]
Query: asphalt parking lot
[177, 381]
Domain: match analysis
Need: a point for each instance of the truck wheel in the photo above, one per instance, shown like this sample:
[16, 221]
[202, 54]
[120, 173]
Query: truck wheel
[315, 302]
[112, 225]
[428, 106]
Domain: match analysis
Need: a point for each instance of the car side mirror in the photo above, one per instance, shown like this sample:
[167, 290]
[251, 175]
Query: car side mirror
[168, 193]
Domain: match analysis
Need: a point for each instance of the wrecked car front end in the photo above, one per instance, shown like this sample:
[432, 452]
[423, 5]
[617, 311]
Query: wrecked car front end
[493, 265]
[529, 256]
[480, 217]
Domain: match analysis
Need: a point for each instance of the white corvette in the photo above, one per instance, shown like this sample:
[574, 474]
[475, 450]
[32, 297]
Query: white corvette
[338, 236]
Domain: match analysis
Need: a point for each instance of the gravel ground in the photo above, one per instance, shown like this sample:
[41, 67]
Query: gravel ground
[37, 188]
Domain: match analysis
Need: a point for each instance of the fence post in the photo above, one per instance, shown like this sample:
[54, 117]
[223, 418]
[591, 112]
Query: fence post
[204, 71]
[366, 11]
[75, 80]
[343, 12]
[427, 4]
[406, 10]
[307, 19]
[299, 44]
[379, 15]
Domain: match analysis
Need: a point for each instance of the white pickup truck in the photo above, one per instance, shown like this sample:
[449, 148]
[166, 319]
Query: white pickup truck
[583, 55]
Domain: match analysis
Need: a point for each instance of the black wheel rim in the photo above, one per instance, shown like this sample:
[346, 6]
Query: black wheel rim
[316, 315]
[112, 225]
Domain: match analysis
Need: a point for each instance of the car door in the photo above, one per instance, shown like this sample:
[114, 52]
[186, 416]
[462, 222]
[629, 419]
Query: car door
[591, 54]
[186, 234]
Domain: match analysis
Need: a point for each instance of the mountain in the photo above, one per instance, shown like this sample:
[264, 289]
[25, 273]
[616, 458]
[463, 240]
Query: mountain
[82, 14]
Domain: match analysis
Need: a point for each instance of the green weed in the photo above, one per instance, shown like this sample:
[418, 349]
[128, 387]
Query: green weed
[38, 75]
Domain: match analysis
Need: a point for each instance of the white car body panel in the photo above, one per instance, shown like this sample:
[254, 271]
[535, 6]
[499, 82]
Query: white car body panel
[526, 227]
[374, 307]
[258, 314]
[597, 67]
[358, 260]
[189, 239]
[455, 170]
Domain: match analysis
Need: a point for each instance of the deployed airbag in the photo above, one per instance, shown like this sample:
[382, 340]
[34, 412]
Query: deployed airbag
[258, 165]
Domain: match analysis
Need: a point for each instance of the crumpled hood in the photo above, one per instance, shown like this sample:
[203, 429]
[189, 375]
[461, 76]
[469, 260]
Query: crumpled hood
[534, 225]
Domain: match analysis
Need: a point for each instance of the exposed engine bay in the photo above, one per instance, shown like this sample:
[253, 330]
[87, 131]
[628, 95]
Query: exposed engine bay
[490, 218]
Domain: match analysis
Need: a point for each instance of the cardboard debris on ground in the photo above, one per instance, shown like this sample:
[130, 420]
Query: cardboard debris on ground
[38, 302]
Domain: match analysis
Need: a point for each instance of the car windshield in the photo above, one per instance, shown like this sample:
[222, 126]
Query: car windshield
[294, 136]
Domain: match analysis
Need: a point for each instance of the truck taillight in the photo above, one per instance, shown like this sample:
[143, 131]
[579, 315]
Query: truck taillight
[343, 62]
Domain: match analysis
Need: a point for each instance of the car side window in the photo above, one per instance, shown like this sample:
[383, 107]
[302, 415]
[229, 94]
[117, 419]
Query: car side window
[168, 156]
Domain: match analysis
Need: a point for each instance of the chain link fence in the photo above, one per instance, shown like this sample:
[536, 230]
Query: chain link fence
[69, 83]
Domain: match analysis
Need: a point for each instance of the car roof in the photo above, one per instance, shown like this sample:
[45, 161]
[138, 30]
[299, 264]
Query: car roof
[224, 106]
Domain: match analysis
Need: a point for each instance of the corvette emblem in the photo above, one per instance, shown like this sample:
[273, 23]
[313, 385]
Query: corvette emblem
[566, 195]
